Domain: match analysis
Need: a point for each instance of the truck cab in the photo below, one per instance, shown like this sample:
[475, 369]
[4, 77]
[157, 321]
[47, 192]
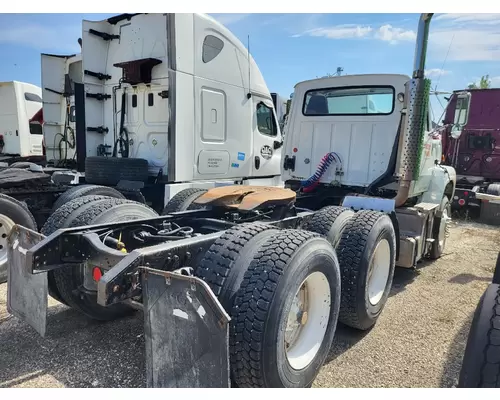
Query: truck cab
[177, 90]
[471, 138]
[19, 103]
[357, 119]
[59, 74]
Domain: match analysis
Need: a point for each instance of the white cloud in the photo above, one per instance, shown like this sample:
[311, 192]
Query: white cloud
[436, 72]
[228, 19]
[394, 35]
[42, 38]
[469, 37]
[493, 19]
[466, 44]
[339, 32]
[386, 33]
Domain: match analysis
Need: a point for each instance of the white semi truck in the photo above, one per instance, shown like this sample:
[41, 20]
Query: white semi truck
[19, 138]
[240, 285]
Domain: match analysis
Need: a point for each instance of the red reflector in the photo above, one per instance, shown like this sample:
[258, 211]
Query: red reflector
[295, 150]
[466, 193]
[96, 274]
[461, 202]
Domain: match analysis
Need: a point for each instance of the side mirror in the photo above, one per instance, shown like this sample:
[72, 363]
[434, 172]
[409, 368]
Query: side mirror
[462, 108]
[277, 144]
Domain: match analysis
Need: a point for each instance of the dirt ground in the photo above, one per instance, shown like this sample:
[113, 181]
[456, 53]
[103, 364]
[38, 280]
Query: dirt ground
[417, 342]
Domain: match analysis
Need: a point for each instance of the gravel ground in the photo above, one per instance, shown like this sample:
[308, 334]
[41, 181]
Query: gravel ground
[417, 342]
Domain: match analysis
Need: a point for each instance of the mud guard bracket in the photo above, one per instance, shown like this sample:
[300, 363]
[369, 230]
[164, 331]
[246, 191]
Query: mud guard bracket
[27, 292]
[186, 332]
[369, 203]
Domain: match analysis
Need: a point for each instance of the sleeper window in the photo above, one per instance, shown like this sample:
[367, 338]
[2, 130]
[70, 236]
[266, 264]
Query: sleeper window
[32, 97]
[212, 46]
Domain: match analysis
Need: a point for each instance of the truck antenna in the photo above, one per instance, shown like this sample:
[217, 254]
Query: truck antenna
[249, 95]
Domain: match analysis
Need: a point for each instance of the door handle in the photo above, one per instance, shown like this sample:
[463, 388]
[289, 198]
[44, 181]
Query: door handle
[257, 162]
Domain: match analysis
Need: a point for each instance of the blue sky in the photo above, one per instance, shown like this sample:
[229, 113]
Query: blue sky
[293, 47]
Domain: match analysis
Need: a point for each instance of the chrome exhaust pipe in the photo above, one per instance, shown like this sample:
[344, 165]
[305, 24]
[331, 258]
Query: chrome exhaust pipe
[413, 123]
[421, 45]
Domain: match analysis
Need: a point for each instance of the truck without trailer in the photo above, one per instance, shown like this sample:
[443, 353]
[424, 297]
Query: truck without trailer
[471, 145]
[154, 119]
[240, 285]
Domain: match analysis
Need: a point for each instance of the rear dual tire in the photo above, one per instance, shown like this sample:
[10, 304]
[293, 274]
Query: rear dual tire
[65, 283]
[365, 243]
[12, 212]
[256, 271]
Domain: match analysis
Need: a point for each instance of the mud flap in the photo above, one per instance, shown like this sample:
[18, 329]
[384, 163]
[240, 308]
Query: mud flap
[186, 332]
[26, 292]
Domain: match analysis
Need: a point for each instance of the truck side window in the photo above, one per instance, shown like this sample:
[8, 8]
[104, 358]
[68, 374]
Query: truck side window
[32, 97]
[212, 46]
[265, 120]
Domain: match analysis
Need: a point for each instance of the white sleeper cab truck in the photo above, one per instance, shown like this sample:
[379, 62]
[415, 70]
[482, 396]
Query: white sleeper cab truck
[19, 102]
[239, 285]
[59, 73]
[163, 102]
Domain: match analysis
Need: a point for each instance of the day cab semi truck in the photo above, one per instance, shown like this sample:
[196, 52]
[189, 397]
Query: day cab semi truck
[240, 285]
[474, 149]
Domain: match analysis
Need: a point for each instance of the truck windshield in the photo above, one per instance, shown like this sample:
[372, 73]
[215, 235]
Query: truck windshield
[349, 101]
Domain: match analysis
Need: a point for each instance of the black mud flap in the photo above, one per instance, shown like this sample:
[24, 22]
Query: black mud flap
[26, 292]
[186, 332]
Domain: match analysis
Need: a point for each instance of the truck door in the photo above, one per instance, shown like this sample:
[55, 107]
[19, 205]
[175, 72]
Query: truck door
[55, 91]
[266, 139]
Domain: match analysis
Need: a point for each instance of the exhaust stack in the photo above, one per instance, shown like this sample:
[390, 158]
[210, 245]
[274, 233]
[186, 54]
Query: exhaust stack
[416, 98]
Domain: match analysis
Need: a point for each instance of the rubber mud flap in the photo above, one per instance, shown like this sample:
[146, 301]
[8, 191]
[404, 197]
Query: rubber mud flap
[27, 293]
[186, 332]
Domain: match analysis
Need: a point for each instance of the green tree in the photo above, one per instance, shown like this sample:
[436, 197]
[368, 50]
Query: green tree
[484, 83]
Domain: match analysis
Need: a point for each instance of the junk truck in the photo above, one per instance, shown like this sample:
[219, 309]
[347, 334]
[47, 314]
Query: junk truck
[239, 285]
[471, 145]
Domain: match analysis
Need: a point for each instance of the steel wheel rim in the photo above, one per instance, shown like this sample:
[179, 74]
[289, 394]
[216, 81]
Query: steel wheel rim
[378, 272]
[6, 225]
[307, 320]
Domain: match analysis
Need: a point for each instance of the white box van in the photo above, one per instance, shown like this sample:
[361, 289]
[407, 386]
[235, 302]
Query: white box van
[19, 103]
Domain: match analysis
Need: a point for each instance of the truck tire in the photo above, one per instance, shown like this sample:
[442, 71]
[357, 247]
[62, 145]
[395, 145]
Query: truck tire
[440, 230]
[89, 210]
[57, 221]
[12, 212]
[86, 190]
[183, 201]
[111, 170]
[481, 362]
[227, 260]
[494, 189]
[287, 262]
[329, 222]
[367, 257]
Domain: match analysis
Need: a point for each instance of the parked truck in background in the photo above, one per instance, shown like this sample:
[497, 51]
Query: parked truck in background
[20, 139]
[474, 150]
